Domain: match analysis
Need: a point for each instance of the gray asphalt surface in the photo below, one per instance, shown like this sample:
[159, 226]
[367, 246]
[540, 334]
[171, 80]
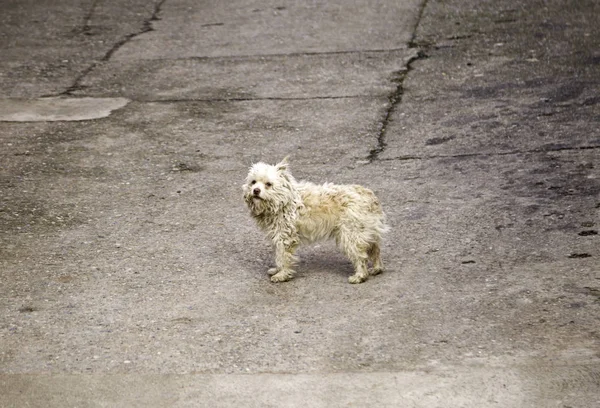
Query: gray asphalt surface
[131, 274]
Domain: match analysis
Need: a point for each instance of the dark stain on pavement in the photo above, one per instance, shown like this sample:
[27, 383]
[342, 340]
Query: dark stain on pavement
[576, 255]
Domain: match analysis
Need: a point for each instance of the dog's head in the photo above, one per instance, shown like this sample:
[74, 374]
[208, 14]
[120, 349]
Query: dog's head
[269, 188]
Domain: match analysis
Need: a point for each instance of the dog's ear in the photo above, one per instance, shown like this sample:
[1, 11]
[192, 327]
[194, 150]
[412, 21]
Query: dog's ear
[283, 165]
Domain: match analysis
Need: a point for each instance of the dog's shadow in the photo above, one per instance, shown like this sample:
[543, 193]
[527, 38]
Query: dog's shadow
[323, 258]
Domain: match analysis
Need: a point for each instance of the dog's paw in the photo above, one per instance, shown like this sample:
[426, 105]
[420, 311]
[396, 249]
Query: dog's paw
[272, 271]
[357, 279]
[282, 276]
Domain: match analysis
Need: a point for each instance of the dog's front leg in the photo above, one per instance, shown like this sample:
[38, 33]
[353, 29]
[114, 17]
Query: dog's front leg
[284, 259]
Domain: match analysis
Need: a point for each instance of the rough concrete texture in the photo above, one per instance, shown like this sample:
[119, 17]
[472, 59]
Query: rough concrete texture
[349, 74]
[131, 274]
[251, 27]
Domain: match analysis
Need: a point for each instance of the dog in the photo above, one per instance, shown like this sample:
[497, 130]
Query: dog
[293, 213]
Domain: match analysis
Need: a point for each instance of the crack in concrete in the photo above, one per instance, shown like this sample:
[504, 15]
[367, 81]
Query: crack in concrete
[395, 97]
[146, 27]
[394, 100]
[491, 154]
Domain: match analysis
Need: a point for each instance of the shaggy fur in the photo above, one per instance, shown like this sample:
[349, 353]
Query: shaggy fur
[293, 213]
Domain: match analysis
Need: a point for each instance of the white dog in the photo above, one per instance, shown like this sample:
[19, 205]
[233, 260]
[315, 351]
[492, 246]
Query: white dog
[293, 213]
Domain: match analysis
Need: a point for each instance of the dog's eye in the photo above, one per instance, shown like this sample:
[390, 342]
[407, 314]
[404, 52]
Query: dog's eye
[253, 182]
[269, 184]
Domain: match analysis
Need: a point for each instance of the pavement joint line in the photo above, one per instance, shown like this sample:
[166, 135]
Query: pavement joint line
[275, 55]
[78, 87]
[267, 98]
[413, 40]
[86, 22]
[469, 155]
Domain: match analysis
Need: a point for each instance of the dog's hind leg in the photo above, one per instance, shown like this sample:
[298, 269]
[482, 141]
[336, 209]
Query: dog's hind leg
[356, 250]
[361, 274]
[375, 257]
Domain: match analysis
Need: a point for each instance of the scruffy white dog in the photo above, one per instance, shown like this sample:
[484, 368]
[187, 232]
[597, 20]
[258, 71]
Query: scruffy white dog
[292, 213]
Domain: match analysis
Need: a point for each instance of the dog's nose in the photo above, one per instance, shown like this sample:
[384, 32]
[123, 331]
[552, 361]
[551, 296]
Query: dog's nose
[256, 191]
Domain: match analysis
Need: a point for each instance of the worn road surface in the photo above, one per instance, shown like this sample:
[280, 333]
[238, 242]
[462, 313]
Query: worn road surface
[132, 276]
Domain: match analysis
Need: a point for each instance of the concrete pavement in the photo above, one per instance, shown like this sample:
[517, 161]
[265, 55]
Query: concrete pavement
[131, 274]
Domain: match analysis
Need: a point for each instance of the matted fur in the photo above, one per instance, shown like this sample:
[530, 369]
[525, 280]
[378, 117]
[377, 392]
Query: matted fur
[294, 213]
